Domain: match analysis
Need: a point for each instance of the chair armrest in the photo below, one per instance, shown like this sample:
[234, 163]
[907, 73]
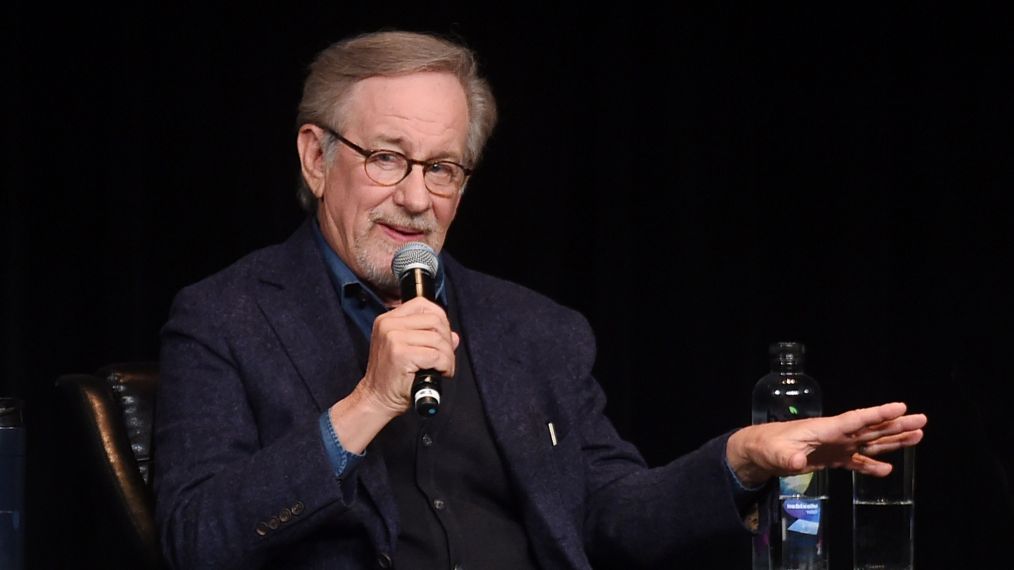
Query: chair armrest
[96, 443]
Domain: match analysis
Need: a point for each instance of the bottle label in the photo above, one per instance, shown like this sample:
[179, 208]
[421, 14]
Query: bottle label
[804, 514]
[794, 484]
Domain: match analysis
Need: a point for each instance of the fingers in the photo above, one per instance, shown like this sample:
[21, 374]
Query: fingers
[868, 466]
[886, 436]
[414, 336]
[417, 350]
[884, 427]
[891, 443]
[847, 440]
[419, 314]
[416, 305]
[797, 462]
[864, 418]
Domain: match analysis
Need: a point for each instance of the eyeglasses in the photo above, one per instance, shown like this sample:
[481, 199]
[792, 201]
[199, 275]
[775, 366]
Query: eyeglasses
[387, 168]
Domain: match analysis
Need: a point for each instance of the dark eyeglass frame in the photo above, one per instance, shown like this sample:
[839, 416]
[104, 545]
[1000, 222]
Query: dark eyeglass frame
[410, 162]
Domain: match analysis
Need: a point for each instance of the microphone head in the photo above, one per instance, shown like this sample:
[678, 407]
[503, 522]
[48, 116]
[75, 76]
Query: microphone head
[414, 255]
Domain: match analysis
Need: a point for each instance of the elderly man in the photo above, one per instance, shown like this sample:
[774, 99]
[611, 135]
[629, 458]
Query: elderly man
[281, 430]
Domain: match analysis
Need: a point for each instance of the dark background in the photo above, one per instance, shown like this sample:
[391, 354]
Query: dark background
[699, 181]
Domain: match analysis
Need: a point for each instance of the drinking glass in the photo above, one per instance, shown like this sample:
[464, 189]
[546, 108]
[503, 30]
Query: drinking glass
[883, 515]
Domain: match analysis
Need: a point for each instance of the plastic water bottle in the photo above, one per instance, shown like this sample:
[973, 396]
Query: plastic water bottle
[792, 529]
[12, 485]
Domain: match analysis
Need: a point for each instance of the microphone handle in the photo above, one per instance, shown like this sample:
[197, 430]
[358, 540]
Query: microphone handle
[426, 386]
[426, 392]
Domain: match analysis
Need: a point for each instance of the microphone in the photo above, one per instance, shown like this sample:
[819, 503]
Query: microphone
[415, 267]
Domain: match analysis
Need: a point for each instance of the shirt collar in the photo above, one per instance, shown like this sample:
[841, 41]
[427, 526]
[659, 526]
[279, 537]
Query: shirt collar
[349, 286]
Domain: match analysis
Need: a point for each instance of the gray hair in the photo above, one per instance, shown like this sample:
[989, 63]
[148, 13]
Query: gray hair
[390, 53]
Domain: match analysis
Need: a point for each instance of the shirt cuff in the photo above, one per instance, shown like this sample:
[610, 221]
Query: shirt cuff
[746, 498]
[342, 460]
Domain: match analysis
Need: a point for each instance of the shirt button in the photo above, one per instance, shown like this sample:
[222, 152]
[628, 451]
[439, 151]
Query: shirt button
[383, 560]
[438, 504]
[297, 509]
[427, 440]
[262, 529]
[273, 523]
[285, 516]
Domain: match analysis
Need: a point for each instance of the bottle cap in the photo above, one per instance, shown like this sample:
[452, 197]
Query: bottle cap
[787, 353]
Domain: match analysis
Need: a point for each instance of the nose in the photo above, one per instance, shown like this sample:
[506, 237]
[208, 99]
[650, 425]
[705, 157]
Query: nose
[411, 193]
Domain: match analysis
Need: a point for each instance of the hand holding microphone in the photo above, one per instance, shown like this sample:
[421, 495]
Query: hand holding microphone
[415, 267]
[406, 342]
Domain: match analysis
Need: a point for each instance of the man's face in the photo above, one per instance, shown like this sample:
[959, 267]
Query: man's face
[423, 116]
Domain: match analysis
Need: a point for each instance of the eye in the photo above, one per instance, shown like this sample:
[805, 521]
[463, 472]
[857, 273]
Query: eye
[441, 169]
[388, 159]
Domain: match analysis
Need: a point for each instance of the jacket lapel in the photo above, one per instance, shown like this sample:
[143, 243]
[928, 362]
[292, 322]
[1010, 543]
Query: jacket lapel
[298, 299]
[517, 411]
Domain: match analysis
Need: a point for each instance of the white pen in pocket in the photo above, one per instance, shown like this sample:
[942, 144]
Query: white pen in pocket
[552, 433]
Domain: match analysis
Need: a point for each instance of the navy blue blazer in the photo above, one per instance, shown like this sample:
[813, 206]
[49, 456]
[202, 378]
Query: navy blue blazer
[251, 357]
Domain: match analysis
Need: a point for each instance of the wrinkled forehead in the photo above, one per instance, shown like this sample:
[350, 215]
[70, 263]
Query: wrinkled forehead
[428, 105]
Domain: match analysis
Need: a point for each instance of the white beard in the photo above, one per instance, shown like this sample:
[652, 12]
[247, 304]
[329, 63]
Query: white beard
[374, 256]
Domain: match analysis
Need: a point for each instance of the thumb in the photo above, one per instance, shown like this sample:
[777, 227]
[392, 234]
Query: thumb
[797, 461]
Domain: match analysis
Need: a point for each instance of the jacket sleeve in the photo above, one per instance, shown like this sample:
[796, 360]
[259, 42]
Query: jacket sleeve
[229, 495]
[640, 514]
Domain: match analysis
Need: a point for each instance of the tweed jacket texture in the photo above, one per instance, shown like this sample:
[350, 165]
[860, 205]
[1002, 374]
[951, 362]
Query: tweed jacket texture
[251, 357]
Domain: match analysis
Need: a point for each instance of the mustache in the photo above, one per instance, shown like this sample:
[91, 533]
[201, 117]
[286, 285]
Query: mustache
[415, 223]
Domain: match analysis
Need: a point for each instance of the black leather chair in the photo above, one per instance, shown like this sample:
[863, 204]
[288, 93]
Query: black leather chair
[106, 423]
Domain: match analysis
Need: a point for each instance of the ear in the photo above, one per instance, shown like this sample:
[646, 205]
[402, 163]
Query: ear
[311, 157]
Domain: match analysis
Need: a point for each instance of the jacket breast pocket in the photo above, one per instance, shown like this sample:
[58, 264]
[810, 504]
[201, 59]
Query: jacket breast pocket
[567, 466]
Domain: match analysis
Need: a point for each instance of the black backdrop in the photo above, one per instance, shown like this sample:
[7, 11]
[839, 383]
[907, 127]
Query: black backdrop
[699, 181]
